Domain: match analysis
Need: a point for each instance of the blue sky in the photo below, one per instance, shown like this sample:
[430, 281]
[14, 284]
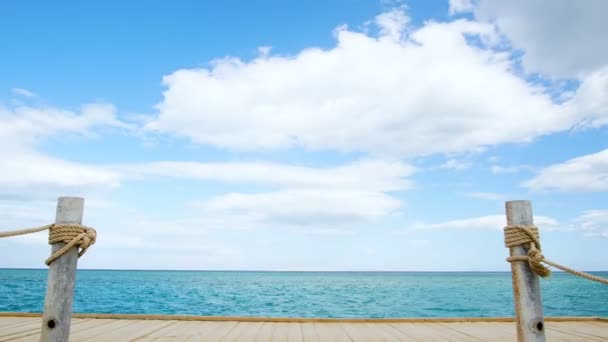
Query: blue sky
[322, 135]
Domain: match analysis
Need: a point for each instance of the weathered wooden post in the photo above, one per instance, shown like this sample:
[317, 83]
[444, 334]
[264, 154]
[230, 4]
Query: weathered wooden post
[62, 276]
[526, 285]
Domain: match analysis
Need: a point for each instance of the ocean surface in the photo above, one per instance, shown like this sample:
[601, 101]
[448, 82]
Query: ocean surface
[303, 294]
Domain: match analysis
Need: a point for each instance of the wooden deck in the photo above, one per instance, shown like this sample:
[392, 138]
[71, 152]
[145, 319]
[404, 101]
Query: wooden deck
[92, 328]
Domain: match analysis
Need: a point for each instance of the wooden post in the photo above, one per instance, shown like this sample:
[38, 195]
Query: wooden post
[62, 276]
[526, 285]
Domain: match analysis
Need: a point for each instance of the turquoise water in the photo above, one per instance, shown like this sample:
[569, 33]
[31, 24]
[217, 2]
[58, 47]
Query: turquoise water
[302, 294]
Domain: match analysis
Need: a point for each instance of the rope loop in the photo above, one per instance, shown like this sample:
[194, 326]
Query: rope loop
[72, 234]
[519, 235]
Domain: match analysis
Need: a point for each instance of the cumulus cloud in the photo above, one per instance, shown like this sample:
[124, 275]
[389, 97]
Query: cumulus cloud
[392, 24]
[460, 6]
[561, 38]
[585, 173]
[407, 91]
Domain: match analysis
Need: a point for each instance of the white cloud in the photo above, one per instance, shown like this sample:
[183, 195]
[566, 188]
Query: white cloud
[27, 173]
[490, 196]
[594, 223]
[508, 169]
[326, 195]
[586, 173]
[560, 38]
[23, 92]
[392, 24]
[491, 222]
[455, 164]
[26, 125]
[432, 91]
[42, 174]
[591, 97]
[305, 207]
[460, 6]
[374, 175]
[320, 196]
[323, 231]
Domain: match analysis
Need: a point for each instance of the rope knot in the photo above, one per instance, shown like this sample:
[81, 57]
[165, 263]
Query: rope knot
[519, 235]
[72, 234]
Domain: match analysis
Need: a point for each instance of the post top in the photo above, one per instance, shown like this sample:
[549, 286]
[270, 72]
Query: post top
[518, 201]
[70, 198]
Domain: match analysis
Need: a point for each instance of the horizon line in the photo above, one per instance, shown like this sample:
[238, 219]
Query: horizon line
[286, 270]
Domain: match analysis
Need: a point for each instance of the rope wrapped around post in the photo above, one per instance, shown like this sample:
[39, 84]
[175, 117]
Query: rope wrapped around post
[72, 234]
[517, 235]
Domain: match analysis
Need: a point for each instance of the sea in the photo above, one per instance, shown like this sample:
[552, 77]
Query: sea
[303, 294]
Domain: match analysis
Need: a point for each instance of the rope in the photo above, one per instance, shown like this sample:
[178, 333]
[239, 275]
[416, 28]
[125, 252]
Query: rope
[72, 234]
[518, 235]
[24, 231]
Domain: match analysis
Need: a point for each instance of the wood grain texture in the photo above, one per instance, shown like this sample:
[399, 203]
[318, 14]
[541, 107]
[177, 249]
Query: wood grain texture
[22, 329]
[62, 277]
[526, 284]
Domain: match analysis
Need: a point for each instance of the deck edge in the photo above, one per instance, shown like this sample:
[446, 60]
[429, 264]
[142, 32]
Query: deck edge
[305, 319]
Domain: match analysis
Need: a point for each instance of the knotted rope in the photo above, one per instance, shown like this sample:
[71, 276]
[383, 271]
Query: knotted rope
[518, 235]
[72, 234]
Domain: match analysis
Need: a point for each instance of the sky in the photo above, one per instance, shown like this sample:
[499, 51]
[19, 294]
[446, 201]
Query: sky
[314, 135]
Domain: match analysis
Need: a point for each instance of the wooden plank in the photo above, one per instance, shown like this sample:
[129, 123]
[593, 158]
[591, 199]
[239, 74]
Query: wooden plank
[265, 332]
[308, 332]
[180, 331]
[244, 331]
[139, 329]
[28, 329]
[390, 332]
[591, 331]
[175, 331]
[331, 332]
[18, 323]
[287, 332]
[427, 332]
[212, 332]
[371, 332]
[404, 330]
[458, 335]
[101, 326]
[77, 325]
[554, 335]
[551, 335]
[6, 321]
[486, 331]
[9, 332]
